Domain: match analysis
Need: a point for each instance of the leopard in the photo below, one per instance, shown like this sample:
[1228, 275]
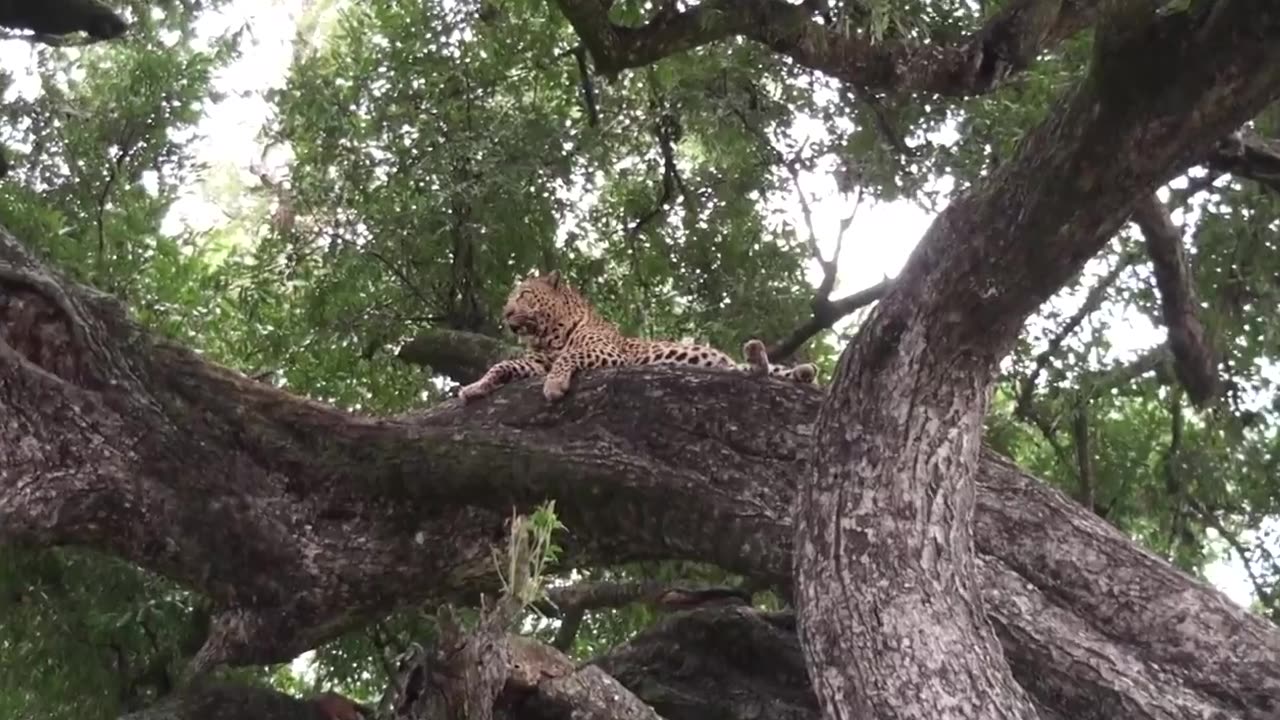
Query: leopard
[563, 333]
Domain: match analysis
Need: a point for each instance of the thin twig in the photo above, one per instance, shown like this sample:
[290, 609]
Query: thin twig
[1092, 302]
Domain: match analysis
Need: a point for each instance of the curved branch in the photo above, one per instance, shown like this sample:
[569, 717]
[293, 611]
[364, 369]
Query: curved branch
[826, 313]
[1092, 302]
[974, 64]
[1195, 362]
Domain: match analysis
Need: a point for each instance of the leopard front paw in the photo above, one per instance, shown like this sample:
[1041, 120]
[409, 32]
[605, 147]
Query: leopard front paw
[555, 388]
[805, 373]
[757, 357]
[474, 391]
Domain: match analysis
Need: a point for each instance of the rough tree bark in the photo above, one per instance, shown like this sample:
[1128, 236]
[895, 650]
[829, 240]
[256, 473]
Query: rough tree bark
[300, 521]
[888, 592]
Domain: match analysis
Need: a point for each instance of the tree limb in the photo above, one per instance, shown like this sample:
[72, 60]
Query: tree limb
[1266, 595]
[567, 633]
[458, 355]
[1195, 362]
[659, 593]
[732, 659]
[299, 521]
[826, 313]
[555, 690]
[527, 680]
[974, 64]
[1084, 455]
[571, 603]
[62, 17]
[209, 701]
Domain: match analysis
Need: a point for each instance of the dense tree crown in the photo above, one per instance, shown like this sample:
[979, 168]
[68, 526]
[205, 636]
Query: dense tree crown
[419, 157]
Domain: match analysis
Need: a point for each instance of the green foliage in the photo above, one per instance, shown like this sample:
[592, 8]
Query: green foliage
[530, 552]
[97, 154]
[426, 194]
[84, 635]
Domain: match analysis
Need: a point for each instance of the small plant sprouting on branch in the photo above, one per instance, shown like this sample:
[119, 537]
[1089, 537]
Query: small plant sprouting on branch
[530, 551]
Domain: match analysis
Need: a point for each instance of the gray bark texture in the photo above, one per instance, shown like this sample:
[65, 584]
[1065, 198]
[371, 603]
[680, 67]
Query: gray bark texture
[300, 521]
[888, 580]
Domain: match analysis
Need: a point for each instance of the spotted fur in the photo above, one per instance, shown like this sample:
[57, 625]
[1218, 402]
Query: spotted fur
[564, 334]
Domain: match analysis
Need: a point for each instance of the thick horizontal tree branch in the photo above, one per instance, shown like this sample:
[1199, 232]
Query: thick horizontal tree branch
[300, 521]
[974, 64]
[659, 593]
[733, 662]
[461, 356]
[1195, 362]
[598, 595]
[741, 662]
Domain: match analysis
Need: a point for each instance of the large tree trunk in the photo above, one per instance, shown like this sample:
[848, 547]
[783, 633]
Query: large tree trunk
[301, 521]
[892, 621]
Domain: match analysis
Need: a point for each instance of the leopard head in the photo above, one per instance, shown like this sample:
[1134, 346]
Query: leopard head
[543, 311]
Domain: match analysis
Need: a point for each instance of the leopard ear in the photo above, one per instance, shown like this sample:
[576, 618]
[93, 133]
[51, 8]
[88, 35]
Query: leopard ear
[552, 278]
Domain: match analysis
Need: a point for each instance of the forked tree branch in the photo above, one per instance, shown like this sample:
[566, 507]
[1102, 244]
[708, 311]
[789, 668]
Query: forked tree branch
[826, 313]
[884, 555]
